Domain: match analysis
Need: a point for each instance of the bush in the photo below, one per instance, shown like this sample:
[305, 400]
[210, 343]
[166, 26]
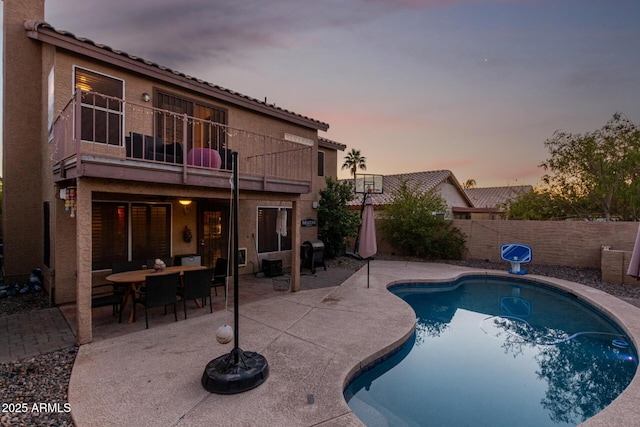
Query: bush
[336, 221]
[414, 227]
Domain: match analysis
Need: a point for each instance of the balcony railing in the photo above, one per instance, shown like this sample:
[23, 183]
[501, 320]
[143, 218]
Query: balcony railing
[97, 129]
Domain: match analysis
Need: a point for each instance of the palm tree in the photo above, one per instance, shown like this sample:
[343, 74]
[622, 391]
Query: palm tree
[354, 161]
[470, 183]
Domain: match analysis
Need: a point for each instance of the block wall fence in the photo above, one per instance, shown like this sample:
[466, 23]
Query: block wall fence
[569, 243]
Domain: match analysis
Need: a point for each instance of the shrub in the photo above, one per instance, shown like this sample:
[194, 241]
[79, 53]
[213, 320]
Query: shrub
[336, 221]
[413, 225]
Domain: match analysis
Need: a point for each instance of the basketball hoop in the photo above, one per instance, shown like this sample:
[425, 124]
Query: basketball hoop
[365, 183]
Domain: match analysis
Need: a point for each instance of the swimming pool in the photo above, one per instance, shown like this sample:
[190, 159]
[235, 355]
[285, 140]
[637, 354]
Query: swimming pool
[496, 351]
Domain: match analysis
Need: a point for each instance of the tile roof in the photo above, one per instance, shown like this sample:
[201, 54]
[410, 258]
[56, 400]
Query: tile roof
[35, 28]
[490, 197]
[331, 144]
[423, 181]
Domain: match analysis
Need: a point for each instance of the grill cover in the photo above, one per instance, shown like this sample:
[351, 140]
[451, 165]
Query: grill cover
[313, 255]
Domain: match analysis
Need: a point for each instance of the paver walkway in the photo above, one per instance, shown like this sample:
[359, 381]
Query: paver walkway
[36, 332]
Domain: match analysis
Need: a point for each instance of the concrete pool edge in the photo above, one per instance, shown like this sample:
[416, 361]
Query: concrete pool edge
[625, 408]
[314, 341]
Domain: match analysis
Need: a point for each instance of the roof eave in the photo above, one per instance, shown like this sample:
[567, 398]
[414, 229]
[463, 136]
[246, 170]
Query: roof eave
[152, 70]
[462, 209]
[333, 145]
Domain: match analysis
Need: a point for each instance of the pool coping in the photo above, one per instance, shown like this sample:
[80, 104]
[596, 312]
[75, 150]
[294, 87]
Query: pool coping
[315, 342]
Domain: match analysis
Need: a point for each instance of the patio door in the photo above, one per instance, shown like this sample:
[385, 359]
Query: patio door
[213, 231]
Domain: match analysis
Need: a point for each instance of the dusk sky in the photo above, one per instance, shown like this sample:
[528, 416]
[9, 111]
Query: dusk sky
[472, 86]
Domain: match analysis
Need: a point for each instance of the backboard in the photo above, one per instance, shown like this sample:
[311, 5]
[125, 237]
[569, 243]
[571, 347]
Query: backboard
[368, 183]
[515, 252]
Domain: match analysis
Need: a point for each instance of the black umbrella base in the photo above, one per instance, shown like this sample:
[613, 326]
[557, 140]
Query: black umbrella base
[235, 372]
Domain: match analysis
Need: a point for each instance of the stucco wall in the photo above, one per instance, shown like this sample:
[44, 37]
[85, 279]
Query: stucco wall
[452, 195]
[614, 267]
[22, 141]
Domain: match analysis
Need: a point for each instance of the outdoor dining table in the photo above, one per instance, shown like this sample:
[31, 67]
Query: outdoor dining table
[132, 280]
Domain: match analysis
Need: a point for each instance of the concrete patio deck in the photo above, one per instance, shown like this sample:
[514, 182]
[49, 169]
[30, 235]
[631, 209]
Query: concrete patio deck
[313, 340]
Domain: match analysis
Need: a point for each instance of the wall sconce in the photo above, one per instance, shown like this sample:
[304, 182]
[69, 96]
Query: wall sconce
[184, 204]
[314, 204]
[146, 97]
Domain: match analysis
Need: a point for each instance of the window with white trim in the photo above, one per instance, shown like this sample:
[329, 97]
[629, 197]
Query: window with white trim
[102, 117]
[269, 240]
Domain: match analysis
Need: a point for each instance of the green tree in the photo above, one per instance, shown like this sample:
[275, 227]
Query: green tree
[539, 204]
[596, 173]
[336, 221]
[354, 161]
[413, 225]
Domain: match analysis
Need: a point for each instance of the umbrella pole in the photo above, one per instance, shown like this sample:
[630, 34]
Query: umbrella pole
[368, 259]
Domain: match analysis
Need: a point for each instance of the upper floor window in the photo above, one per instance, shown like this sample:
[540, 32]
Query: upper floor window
[101, 117]
[320, 163]
[202, 129]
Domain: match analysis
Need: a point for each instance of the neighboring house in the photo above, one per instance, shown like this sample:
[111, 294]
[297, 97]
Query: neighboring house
[489, 202]
[441, 181]
[109, 157]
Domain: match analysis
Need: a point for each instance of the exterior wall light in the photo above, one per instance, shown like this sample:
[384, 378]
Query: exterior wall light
[146, 97]
[184, 204]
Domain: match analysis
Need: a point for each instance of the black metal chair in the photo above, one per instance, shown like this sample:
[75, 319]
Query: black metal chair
[119, 267]
[220, 276]
[196, 284]
[108, 294]
[113, 293]
[159, 290]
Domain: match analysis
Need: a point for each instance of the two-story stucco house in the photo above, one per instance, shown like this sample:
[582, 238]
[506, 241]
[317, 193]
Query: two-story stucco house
[109, 157]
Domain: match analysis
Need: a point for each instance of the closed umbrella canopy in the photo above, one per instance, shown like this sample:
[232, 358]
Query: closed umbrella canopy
[367, 239]
[634, 265]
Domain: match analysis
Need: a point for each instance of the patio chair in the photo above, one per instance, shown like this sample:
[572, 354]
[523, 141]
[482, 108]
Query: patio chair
[119, 267]
[108, 294]
[220, 276]
[196, 284]
[159, 290]
[120, 291]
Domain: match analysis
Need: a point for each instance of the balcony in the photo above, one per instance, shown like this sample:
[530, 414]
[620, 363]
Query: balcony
[103, 137]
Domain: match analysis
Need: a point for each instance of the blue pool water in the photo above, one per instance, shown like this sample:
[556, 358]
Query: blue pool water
[496, 352]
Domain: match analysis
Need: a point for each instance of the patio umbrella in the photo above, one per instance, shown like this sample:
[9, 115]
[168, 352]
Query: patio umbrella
[634, 265]
[367, 239]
